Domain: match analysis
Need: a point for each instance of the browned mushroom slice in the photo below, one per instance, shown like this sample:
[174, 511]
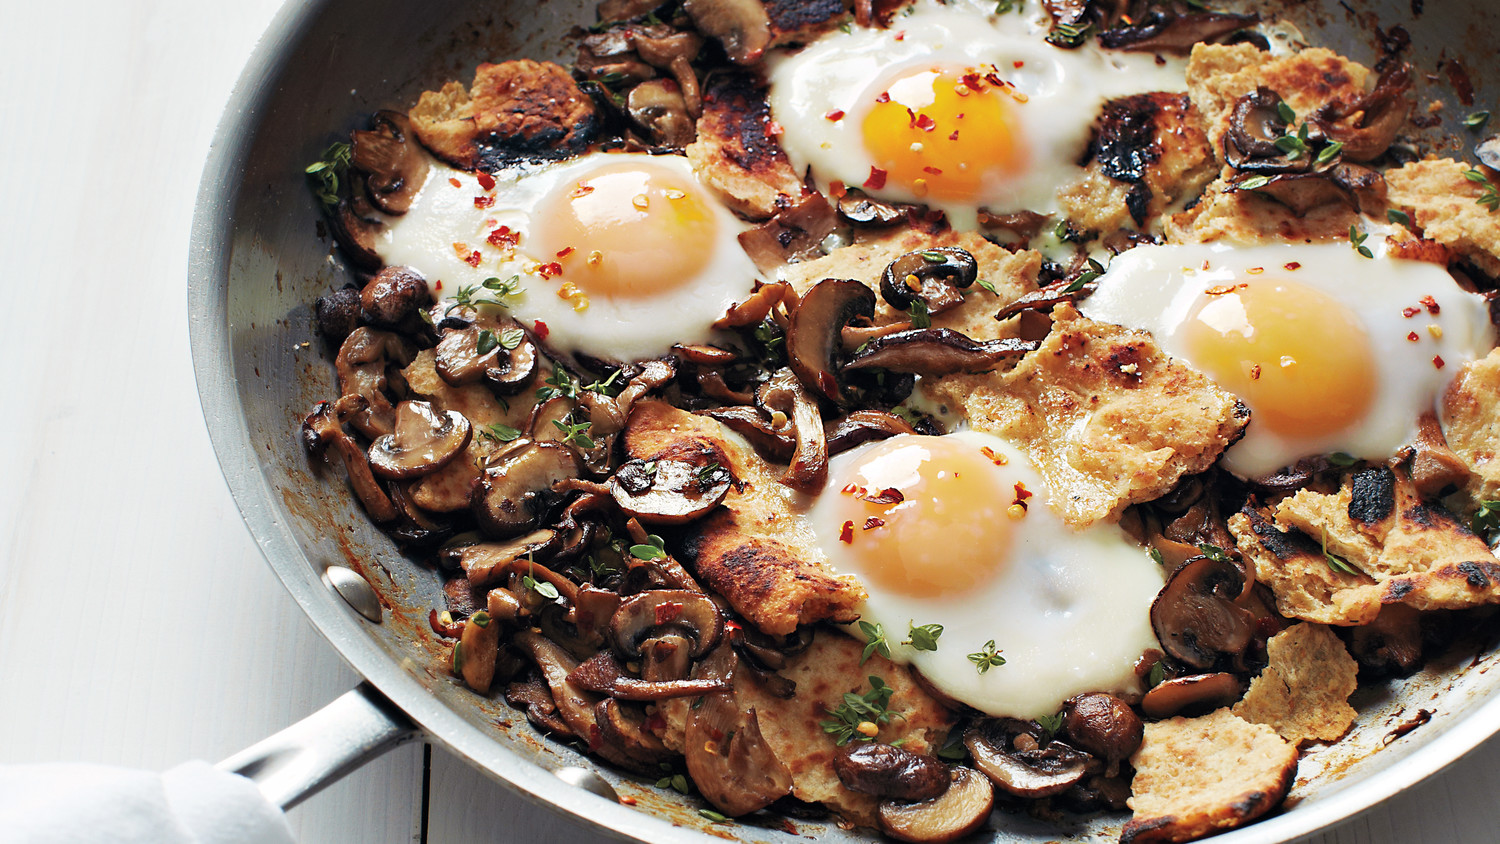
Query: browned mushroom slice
[784, 394]
[668, 492]
[750, 423]
[1023, 224]
[513, 369]
[862, 426]
[742, 26]
[796, 233]
[610, 55]
[337, 313]
[485, 563]
[423, 442]
[1381, 114]
[604, 674]
[533, 696]
[575, 706]
[704, 355]
[758, 306]
[934, 276]
[962, 809]
[356, 227]
[1435, 468]
[320, 431]
[394, 296]
[859, 209]
[1161, 31]
[1195, 617]
[1045, 299]
[607, 414]
[1103, 725]
[937, 351]
[673, 50]
[648, 614]
[361, 364]
[658, 109]
[517, 495]
[549, 418]
[458, 360]
[1192, 695]
[624, 725]
[812, 339]
[730, 761]
[1037, 770]
[476, 650]
[1358, 187]
[1488, 152]
[891, 772]
[394, 168]
[619, 10]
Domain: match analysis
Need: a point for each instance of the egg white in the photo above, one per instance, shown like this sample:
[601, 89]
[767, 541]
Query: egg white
[444, 227]
[844, 72]
[1155, 287]
[1069, 611]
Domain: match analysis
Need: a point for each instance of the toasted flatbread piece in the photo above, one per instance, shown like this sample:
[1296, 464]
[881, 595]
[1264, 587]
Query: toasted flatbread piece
[1147, 152]
[1303, 693]
[1198, 776]
[521, 108]
[1013, 275]
[1108, 418]
[755, 550]
[1401, 550]
[1442, 202]
[792, 727]
[1471, 422]
[737, 153]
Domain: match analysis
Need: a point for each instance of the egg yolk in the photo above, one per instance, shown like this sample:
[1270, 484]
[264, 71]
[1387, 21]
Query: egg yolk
[627, 231]
[1299, 358]
[926, 516]
[945, 134]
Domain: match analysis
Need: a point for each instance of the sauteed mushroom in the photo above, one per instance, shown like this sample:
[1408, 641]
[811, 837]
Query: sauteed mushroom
[1103, 725]
[859, 209]
[813, 337]
[893, 772]
[933, 275]
[361, 364]
[658, 108]
[394, 296]
[742, 26]
[960, 810]
[337, 314]
[1195, 617]
[517, 495]
[937, 351]
[1382, 112]
[646, 614]
[514, 369]
[1036, 771]
[668, 491]
[394, 168]
[1161, 31]
[356, 226]
[423, 441]
[1194, 694]
[604, 674]
[485, 563]
[784, 394]
[862, 426]
[321, 430]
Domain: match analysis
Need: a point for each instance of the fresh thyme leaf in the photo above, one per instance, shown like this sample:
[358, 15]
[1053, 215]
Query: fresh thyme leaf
[327, 172]
[1051, 723]
[856, 710]
[988, 285]
[707, 477]
[657, 550]
[1006, 6]
[1068, 35]
[1490, 198]
[1285, 112]
[499, 433]
[607, 387]
[954, 751]
[1486, 521]
[1327, 153]
[1156, 675]
[493, 291]
[875, 641]
[1156, 557]
[986, 659]
[1253, 183]
[1214, 552]
[510, 338]
[1357, 240]
[487, 342]
[481, 618]
[918, 314]
[846, 27]
[559, 383]
[924, 638]
[1477, 120]
[1334, 562]
[576, 434]
[907, 414]
[1400, 218]
[541, 587]
[713, 816]
[1293, 146]
[932, 256]
[1342, 460]
[458, 657]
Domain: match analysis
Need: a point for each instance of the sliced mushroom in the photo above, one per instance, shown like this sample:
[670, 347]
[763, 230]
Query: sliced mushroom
[533, 696]
[705, 355]
[1391, 644]
[516, 495]
[1434, 467]
[619, 10]
[1382, 113]
[394, 296]
[320, 431]
[933, 275]
[549, 417]
[758, 306]
[362, 364]
[1488, 152]
[668, 492]
[624, 725]
[1103, 725]
[813, 336]
[356, 226]
[513, 370]
[457, 358]
[1255, 124]
[575, 706]
[658, 109]
[394, 167]
[753, 425]
[936, 352]
[667, 656]
[673, 50]
[784, 394]
[1192, 695]
[652, 613]
[862, 426]
[796, 233]
[604, 674]
[890, 772]
[1195, 617]
[1037, 771]
[742, 26]
[727, 757]
[607, 414]
[859, 209]
[423, 441]
[485, 563]
[1161, 31]
[1045, 299]
[337, 314]
[962, 809]
[1023, 224]
[476, 651]
[1361, 188]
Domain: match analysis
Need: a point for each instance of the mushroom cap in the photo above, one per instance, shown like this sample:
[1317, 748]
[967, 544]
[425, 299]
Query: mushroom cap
[960, 810]
[659, 611]
[516, 495]
[812, 339]
[668, 492]
[424, 441]
[1195, 617]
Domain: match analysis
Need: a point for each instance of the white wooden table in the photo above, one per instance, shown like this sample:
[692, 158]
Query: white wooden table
[139, 625]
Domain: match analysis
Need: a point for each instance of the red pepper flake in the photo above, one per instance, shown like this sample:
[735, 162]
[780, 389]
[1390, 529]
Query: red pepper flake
[849, 490]
[933, 170]
[883, 97]
[549, 270]
[1437, 361]
[1256, 270]
[837, 190]
[454, 182]
[994, 79]
[504, 238]
[1223, 289]
[626, 800]
[1018, 64]
[483, 201]
[874, 522]
[925, 123]
[437, 285]
[486, 181]
[901, 36]
[565, 252]
[474, 259]
[997, 459]
[846, 534]
[668, 612]
[1410, 312]
[835, 115]
[1255, 372]
[541, 329]
[596, 738]
[1431, 305]
[1292, 265]
[954, 136]
[774, 129]
[876, 180]
[582, 190]
[655, 722]
[889, 495]
[1022, 493]
[1413, 337]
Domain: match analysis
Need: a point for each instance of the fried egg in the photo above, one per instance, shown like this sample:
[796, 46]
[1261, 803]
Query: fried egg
[955, 530]
[952, 106]
[1330, 350]
[617, 256]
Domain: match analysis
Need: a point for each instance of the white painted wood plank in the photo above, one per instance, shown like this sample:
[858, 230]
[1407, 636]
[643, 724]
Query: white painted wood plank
[466, 806]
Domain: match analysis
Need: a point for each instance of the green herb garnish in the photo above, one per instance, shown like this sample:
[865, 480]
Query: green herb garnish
[327, 172]
[1357, 240]
[576, 434]
[918, 314]
[656, 550]
[988, 658]
[856, 710]
[499, 433]
[875, 641]
[1490, 198]
[924, 638]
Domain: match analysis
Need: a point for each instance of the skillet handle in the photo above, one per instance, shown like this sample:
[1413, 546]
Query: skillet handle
[317, 751]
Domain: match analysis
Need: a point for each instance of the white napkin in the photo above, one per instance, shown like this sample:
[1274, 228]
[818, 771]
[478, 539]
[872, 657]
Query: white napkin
[95, 804]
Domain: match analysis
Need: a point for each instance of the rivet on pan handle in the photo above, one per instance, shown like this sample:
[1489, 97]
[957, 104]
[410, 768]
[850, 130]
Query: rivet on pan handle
[355, 590]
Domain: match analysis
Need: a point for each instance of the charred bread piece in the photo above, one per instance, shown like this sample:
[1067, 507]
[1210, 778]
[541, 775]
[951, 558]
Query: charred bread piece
[1443, 203]
[1198, 776]
[737, 153]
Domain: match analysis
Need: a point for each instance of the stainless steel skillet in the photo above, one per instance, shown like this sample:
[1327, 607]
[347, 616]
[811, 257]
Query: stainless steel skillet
[258, 262]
